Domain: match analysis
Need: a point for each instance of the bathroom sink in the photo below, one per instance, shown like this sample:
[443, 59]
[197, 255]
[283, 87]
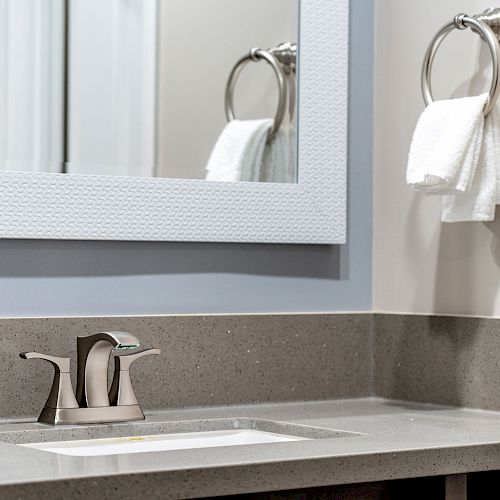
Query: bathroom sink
[161, 442]
[146, 437]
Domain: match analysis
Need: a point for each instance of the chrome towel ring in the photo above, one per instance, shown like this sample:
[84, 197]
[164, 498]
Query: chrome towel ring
[461, 22]
[257, 55]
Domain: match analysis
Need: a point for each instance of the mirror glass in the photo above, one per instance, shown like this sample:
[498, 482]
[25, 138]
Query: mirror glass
[188, 89]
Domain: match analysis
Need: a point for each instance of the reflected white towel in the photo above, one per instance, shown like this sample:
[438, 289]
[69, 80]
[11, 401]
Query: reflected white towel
[280, 158]
[446, 146]
[239, 151]
[478, 204]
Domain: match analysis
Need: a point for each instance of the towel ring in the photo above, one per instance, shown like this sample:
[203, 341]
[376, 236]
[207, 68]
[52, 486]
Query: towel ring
[257, 55]
[461, 22]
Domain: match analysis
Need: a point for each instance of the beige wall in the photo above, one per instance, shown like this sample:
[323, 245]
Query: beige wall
[421, 265]
[200, 41]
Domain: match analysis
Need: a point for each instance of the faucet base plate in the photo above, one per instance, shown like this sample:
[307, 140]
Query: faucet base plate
[100, 415]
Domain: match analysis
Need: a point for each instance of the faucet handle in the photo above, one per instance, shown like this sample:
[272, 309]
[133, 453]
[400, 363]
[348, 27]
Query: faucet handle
[121, 392]
[61, 395]
[61, 365]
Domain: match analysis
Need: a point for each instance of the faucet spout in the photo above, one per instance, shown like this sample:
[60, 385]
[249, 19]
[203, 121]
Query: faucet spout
[94, 352]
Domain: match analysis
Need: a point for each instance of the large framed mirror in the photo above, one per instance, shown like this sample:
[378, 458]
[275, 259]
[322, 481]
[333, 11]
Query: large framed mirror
[180, 120]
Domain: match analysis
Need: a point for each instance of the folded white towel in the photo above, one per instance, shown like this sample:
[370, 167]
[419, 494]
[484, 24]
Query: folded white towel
[239, 151]
[478, 204]
[446, 145]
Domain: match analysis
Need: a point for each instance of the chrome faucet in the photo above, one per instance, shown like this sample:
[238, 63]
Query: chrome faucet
[93, 402]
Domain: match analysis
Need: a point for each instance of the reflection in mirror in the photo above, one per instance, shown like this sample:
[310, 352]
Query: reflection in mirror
[190, 89]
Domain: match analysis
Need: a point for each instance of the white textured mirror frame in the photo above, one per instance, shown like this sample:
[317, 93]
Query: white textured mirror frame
[313, 211]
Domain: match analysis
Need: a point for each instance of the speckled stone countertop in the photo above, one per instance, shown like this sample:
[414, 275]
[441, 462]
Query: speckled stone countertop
[396, 440]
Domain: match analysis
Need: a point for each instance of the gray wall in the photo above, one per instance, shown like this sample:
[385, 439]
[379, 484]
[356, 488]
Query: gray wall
[57, 278]
[421, 265]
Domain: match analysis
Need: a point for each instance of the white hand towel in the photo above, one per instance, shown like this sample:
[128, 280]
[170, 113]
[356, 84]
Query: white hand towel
[446, 146]
[478, 204]
[239, 151]
[280, 159]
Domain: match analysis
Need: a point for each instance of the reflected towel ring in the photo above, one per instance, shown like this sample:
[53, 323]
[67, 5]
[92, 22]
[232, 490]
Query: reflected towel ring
[257, 55]
[461, 22]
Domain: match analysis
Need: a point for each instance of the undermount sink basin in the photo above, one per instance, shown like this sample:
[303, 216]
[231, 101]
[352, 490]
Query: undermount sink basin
[146, 437]
[165, 442]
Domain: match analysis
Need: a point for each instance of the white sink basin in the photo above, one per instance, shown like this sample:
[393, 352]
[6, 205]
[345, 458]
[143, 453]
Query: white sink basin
[165, 442]
[159, 436]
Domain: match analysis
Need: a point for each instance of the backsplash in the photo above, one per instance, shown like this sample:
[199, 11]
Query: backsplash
[225, 360]
[438, 359]
[205, 360]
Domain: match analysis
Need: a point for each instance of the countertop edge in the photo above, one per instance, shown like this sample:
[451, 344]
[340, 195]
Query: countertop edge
[268, 476]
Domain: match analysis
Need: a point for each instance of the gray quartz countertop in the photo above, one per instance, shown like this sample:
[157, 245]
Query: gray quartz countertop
[395, 440]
